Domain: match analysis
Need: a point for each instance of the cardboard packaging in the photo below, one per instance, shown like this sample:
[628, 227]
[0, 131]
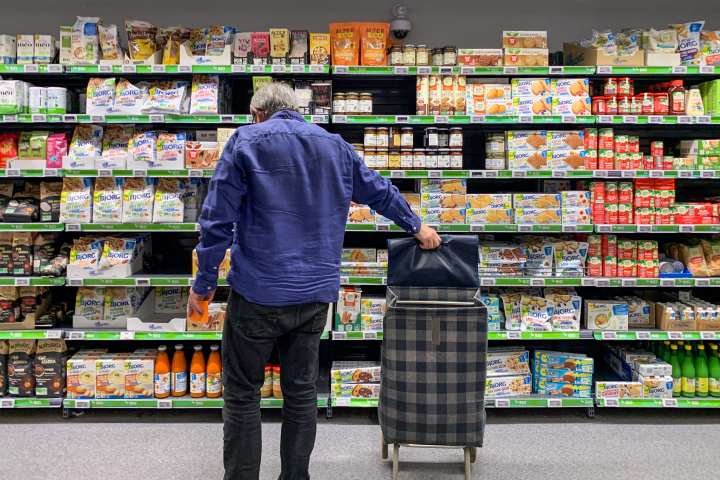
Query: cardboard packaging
[503, 363]
[576, 55]
[508, 386]
[618, 390]
[347, 310]
[355, 372]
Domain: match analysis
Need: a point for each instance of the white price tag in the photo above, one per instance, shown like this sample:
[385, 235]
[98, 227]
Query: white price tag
[629, 282]
[537, 282]
[55, 68]
[31, 69]
[53, 334]
[317, 119]
[501, 403]
[424, 70]
[257, 68]
[39, 118]
[105, 69]
[703, 119]
[514, 335]
[234, 68]
[519, 174]
[510, 70]
[684, 120]
[707, 174]
[627, 173]
[609, 336]
[642, 335]
[22, 282]
[554, 403]
[129, 69]
[559, 173]
[434, 174]
[477, 173]
[525, 228]
[10, 118]
[97, 118]
[707, 69]
[687, 228]
[339, 118]
[656, 174]
[630, 119]
[164, 403]
[339, 335]
[491, 174]
[50, 172]
[670, 402]
[157, 118]
[654, 119]
[12, 172]
[441, 119]
[605, 119]
[277, 69]
[402, 70]
[344, 280]
[434, 227]
[612, 402]
[644, 228]
[477, 119]
[702, 282]
[105, 173]
[75, 282]
[139, 173]
[445, 70]
[667, 282]
[603, 228]
[604, 283]
[707, 335]
[569, 119]
[157, 68]
[467, 70]
[197, 228]
[588, 282]
[402, 119]
[142, 282]
[72, 227]
[195, 173]
[317, 69]
[679, 69]
[525, 119]
[369, 335]
[297, 68]
[76, 335]
[477, 228]
[604, 69]
[557, 70]
[70, 118]
[82, 403]
[127, 335]
[384, 280]
[382, 227]
[342, 402]
[569, 228]
[7, 403]
[675, 335]
[397, 173]
[341, 70]
[487, 282]
[685, 174]
[191, 281]
[614, 173]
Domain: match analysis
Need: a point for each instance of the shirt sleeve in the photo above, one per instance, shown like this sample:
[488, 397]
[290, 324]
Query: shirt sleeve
[220, 213]
[369, 188]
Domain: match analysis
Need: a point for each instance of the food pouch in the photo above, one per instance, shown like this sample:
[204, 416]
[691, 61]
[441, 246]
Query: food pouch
[570, 258]
[536, 313]
[512, 304]
[566, 315]
[345, 43]
[689, 42]
[373, 38]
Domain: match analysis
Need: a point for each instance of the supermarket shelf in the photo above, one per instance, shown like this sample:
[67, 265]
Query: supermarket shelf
[676, 402]
[159, 118]
[133, 227]
[655, 335]
[30, 402]
[537, 401]
[32, 281]
[236, 69]
[155, 280]
[32, 68]
[172, 402]
[30, 334]
[354, 402]
[602, 228]
[457, 119]
[126, 335]
[518, 335]
[356, 335]
[658, 119]
[32, 227]
[683, 70]
[477, 228]
[136, 173]
[403, 70]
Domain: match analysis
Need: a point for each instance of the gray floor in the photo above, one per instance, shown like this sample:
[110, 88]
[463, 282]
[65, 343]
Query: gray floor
[540, 446]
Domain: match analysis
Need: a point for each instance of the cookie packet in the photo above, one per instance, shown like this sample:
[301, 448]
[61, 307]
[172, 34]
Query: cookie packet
[168, 101]
[536, 314]
[143, 146]
[512, 303]
[108, 199]
[109, 44]
[605, 41]
[138, 198]
[710, 48]
[570, 258]
[171, 149]
[85, 41]
[217, 38]
[100, 93]
[627, 45]
[116, 140]
[205, 90]
[689, 41]
[127, 94]
[171, 48]
[539, 258]
[141, 39]
[198, 41]
[86, 141]
[116, 251]
[661, 41]
[566, 315]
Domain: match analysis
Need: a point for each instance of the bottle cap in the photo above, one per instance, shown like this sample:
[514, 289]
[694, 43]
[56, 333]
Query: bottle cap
[162, 348]
[701, 347]
[198, 348]
[676, 83]
[178, 346]
[673, 347]
[688, 347]
[214, 348]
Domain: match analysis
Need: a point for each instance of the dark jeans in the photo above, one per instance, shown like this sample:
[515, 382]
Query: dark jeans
[251, 330]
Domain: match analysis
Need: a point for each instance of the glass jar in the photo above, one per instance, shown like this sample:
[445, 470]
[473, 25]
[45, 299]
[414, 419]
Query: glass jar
[495, 161]
[406, 159]
[365, 104]
[421, 56]
[418, 159]
[382, 137]
[611, 105]
[277, 391]
[662, 104]
[623, 105]
[647, 103]
[625, 86]
[352, 100]
[437, 57]
[431, 137]
[598, 105]
[635, 105]
[396, 55]
[456, 138]
[395, 140]
[381, 158]
[406, 137]
[443, 137]
[610, 87]
[456, 160]
[359, 149]
[409, 55]
[431, 159]
[443, 158]
[370, 137]
[449, 55]
[267, 388]
[369, 157]
[338, 102]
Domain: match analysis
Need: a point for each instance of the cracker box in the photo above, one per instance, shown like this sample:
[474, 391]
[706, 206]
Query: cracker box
[362, 391]
[566, 159]
[575, 199]
[660, 386]
[81, 377]
[606, 315]
[442, 200]
[508, 386]
[565, 389]
[489, 200]
[577, 216]
[538, 216]
[472, 57]
[532, 105]
[650, 368]
[372, 306]
[568, 140]
[358, 255]
[571, 105]
[491, 216]
[530, 87]
[361, 214]
[565, 361]
[524, 39]
[413, 199]
[371, 323]
[526, 140]
[504, 362]
[618, 390]
[430, 185]
[442, 215]
[355, 372]
[526, 57]
[347, 309]
[527, 160]
[569, 87]
[140, 377]
[496, 108]
[536, 200]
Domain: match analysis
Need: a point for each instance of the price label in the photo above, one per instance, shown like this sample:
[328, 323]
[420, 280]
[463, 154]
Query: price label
[605, 119]
[477, 119]
[129, 69]
[602, 283]
[234, 68]
[559, 173]
[519, 174]
[537, 282]
[157, 68]
[39, 118]
[684, 120]
[75, 282]
[22, 282]
[72, 227]
[707, 335]
[342, 402]
[127, 335]
[382, 227]
[604, 69]
[97, 118]
[500, 403]
[642, 335]
[191, 281]
[514, 335]
[339, 335]
[12, 172]
[55, 68]
[669, 402]
[397, 174]
[441, 119]
[477, 228]
[384, 280]
[257, 68]
[105, 173]
[675, 335]
[702, 282]
[341, 70]
[525, 119]
[82, 403]
[339, 118]
[50, 172]
[344, 280]
[142, 282]
[687, 228]
[402, 119]
[402, 70]
[627, 173]
[369, 335]
[569, 228]
[7, 403]
[707, 69]
[525, 228]
[707, 174]
[557, 70]
[157, 118]
[297, 68]
[685, 174]
[656, 174]
[704, 119]
[10, 118]
[317, 69]
[612, 402]
[197, 227]
[630, 119]
[76, 335]
[604, 228]
[467, 70]
[477, 173]
[629, 282]
[609, 336]
[446, 70]
[487, 282]
[667, 282]
[510, 70]
[588, 282]
[491, 174]
[654, 119]
[569, 119]
[434, 174]
[195, 173]
[53, 334]
[70, 118]
[277, 69]
[164, 403]
[188, 68]
[31, 69]
[644, 228]
[317, 119]
[679, 69]
[424, 70]
[434, 227]
[554, 403]
[139, 173]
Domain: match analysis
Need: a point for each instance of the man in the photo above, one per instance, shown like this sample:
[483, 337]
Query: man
[285, 187]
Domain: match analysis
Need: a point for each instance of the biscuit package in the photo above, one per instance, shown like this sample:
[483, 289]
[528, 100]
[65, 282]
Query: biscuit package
[530, 87]
[442, 200]
[90, 302]
[566, 315]
[527, 160]
[128, 96]
[109, 42]
[532, 105]
[373, 38]
[491, 200]
[689, 42]
[526, 140]
[86, 141]
[524, 39]
[538, 216]
[442, 215]
[108, 200]
[205, 91]
[509, 386]
[217, 38]
[116, 251]
[574, 87]
[85, 41]
[536, 314]
[190, 199]
[171, 50]
[539, 257]
[345, 43]
[76, 200]
[169, 205]
[568, 140]
[116, 303]
[580, 105]
[361, 214]
[566, 159]
[167, 101]
[198, 41]
[570, 258]
[490, 216]
[170, 151]
[536, 200]
[115, 144]
[141, 39]
[512, 306]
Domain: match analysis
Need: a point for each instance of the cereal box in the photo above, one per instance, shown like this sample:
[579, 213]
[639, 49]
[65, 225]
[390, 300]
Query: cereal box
[618, 390]
[81, 377]
[538, 216]
[577, 216]
[571, 105]
[508, 386]
[503, 362]
[526, 140]
[570, 140]
[429, 185]
[493, 216]
[442, 200]
[606, 315]
[569, 87]
[527, 160]
[575, 199]
[358, 255]
[530, 87]
[442, 215]
[489, 200]
[566, 159]
[532, 105]
[355, 390]
[565, 389]
[536, 200]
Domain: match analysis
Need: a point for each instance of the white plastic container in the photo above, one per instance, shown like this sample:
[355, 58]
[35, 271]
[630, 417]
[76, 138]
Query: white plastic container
[56, 100]
[38, 100]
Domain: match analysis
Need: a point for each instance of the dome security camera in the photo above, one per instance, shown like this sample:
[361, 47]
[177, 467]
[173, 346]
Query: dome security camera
[400, 25]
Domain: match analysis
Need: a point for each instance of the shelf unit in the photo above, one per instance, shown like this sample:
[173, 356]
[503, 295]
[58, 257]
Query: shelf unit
[172, 402]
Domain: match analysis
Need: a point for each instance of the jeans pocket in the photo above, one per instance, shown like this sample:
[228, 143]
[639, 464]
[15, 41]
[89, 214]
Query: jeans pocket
[321, 317]
[257, 320]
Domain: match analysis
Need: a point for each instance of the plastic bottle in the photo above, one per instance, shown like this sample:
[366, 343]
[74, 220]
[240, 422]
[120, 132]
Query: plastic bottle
[660, 350]
[162, 373]
[701, 373]
[676, 371]
[178, 370]
[694, 102]
[197, 373]
[214, 373]
[714, 372]
[681, 352]
[676, 92]
[666, 351]
[688, 374]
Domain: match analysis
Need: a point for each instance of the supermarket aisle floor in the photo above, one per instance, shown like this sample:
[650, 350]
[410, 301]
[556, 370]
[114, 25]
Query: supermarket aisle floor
[350, 450]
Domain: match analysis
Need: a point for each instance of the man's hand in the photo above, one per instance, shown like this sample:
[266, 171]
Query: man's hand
[429, 239]
[193, 300]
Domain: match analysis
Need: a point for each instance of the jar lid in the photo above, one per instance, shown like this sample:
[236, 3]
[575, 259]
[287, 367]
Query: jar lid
[276, 368]
[383, 128]
[430, 128]
[455, 128]
[409, 46]
[383, 149]
[419, 150]
[338, 93]
[370, 128]
[351, 93]
[422, 46]
[450, 46]
[366, 93]
[405, 128]
[437, 50]
[676, 83]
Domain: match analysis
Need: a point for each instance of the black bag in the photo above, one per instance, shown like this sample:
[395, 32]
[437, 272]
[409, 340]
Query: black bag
[453, 264]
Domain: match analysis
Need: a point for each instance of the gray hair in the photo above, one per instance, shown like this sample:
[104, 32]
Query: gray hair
[273, 97]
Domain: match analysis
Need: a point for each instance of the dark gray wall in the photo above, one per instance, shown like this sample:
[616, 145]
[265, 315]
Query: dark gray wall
[464, 23]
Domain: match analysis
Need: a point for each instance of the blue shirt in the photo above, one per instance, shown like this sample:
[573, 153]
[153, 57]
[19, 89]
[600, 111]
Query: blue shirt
[285, 186]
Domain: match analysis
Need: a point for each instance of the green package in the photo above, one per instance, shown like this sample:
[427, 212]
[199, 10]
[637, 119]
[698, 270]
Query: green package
[38, 145]
[24, 146]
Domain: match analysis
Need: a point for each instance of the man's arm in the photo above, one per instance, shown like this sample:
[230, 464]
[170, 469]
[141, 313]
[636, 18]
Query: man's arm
[220, 212]
[369, 188]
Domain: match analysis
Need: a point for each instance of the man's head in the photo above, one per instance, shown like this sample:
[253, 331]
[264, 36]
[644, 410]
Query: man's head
[270, 99]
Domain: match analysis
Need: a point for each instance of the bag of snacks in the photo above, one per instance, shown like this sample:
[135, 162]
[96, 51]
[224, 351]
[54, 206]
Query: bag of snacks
[661, 41]
[43, 253]
[115, 144]
[373, 39]
[171, 49]
[50, 193]
[604, 40]
[710, 48]
[86, 141]
[190, 199]
[57, 148]
[198, 41]
[108, 200]
[512, 308]
[100, 94]
[138, 200]
[217, 38]
[570, 258]
[143, 146]
[345, 41]
[128, 97]
[536, 313]
[627, 45]
[85, 42]
[694, 259]
[90, 302]
[109, 44]
[169, 205]
[8, 148]
[141, 39]
[116, 251]
[76, 200]
[170, 151]
[168, 101]
[689, 41]
[711, 249]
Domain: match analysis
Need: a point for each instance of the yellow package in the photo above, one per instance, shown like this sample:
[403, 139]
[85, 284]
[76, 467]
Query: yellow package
[141, 39]
[171, 52]
[711, 249]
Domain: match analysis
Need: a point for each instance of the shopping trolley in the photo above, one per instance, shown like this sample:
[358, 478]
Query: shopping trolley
[434, 349]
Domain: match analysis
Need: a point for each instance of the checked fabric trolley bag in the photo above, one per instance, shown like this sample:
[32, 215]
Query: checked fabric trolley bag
[434, 349]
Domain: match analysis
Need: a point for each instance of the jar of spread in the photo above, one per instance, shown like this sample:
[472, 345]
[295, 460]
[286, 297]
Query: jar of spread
[611, 105]
[406, 159]
[456, 160]
[598, 105]
[431, 158]
[647, 103]
[494, 161]
[277, 391]
[449, 55]
[623, 105]
[443, 137]
[456, 138]
[359, 149]
[610, 87]
[409, 55]
[418, 159]
[395, 140]
[396, 55]
[431, 137]
[267, 388]
[370, 137]
[381, 158]
[365, 104]
[662, 104]
[351, 103]
[382, 137]
[437, 57]
[338, 102]
[625, 86]
[369, 157]
[443, 158]
[635, 105]
[421, 56]
[394, 159]
[406, 137]
[676, 94]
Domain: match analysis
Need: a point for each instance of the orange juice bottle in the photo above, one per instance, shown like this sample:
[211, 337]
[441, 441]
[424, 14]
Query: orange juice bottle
[214, 373]
[162, 373]
[178, 369]
[197, 373]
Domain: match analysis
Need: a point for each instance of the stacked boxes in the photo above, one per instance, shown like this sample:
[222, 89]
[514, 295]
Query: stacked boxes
[641, 375]
[570, 96]
[355, 380]
[492, 302]
[525, 48]
[531, 96]
[372, 312]
[576, 208]
[102, 375]
[444, 201]
[561, 373]
[360, 262]
[541, 150]
[440, 95]
[537, 208]
[508, 372]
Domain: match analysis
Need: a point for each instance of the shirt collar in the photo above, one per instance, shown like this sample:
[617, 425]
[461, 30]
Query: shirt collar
[287, 115]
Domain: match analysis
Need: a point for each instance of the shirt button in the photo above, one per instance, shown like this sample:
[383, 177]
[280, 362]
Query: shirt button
[208, 288]
[215, 268]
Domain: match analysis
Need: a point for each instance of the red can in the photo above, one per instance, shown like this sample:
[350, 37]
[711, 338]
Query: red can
[610, 86]
[598, 105]
[611, 105]
[625, 86]
[623, 105]
[662, 105]
[656, 149]
[647, 103]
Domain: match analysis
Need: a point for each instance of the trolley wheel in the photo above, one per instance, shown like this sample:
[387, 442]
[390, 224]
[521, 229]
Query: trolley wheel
[467, 463]
[384, 447]
[473, 454]
[396, 460]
